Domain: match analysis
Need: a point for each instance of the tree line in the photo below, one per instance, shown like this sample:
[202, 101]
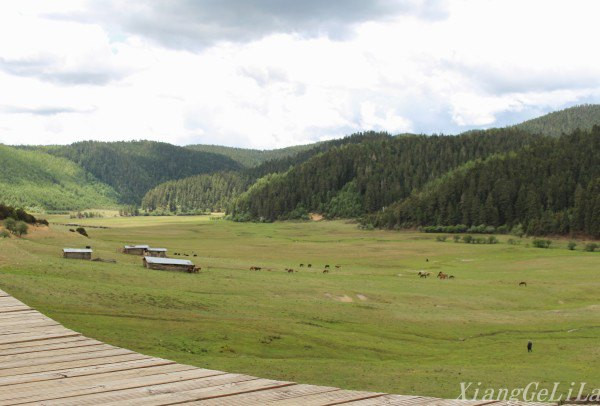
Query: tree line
[550, 187]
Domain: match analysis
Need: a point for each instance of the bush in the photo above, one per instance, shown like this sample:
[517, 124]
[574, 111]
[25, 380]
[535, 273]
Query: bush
[492, 240]
[512, 241]
[571, 245]
[591, 247]
[456, 238]
[10, 224]
[21, 228]
[541, 243]
[4, 234]
[441, 238]
[518, 231]
[467, 239]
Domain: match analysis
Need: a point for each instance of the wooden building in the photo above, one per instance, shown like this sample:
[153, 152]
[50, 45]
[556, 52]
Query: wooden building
[136, 249]
[169, 264]
[77, 253]
[157, 252]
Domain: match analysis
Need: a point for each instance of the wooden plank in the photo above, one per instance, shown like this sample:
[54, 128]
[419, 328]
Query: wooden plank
[34, 344]
[43, 360]
[27, 337]
[388, 400]
[329, 398]
[94, 368]
[53, 354]
[64, 393]
[264, 396]
[70, 364]
[49, 345]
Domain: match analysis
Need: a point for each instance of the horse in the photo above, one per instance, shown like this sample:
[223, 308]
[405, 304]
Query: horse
[423, 274]
[338, 266]
[309, 265]
[451, 277]
[301, 265]
[326, 266]
[290, 270]
[325, 270]
[523, 284]
[442, 275]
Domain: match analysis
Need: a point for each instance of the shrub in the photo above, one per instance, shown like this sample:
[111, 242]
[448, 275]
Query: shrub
[492, 240]
[456, 238]
[571, 245]
[512, 241]
[591, 247]
[4, 234]
[467, 239]
[518, 231]
[10, 224]
[541, 243]
[21, 228]
[441, 238]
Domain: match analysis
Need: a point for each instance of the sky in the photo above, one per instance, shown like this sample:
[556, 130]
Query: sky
[274, 73]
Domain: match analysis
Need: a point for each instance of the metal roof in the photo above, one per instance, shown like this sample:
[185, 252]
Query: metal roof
[138, 246]
[168, 261]
[158, 249]
[77, 250]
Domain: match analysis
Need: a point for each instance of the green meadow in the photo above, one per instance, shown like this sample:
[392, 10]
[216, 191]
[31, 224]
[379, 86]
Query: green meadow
[372, 324]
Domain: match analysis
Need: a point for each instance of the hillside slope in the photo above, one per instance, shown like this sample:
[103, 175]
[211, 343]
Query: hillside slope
[362, 178]
[37, 180]
[565, 121]
[551, 187]
[133, 168]
[217, 191]
[251, 157]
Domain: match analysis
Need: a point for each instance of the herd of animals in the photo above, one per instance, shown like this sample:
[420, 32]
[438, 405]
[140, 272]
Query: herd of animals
[326, 268]
[442, 275]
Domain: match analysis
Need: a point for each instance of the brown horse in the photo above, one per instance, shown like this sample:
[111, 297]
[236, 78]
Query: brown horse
[523, 284]
[325, 270]
[442, 275]
[290, 270]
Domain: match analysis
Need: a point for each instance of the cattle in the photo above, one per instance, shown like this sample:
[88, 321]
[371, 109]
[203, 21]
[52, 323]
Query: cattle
[338, 266]
[195, 255]
[309, 265]
[523, 284]
[325, 270]
[451, 277]
[326, 266]
[301, 265]
[426, 259]
[529, 346]
[290, 270]
[255, 268]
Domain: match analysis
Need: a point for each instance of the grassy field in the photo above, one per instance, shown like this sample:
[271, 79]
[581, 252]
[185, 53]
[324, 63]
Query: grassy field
[371, 325]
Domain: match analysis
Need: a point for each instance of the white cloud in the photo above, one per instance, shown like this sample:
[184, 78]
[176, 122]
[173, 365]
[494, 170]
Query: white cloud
[68, 71]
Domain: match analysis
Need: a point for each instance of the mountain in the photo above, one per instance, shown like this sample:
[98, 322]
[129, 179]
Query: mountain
[358, 178]
[565, 121]
[251, 157]
[550, 187]
[37, 180]
[217, 191]
[132, 168]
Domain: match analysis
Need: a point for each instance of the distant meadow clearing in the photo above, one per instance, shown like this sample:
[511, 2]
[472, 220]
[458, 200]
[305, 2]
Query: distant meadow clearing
[371, 324]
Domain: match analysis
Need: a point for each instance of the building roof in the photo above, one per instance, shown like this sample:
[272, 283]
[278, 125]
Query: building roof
[79, 250]
[145, 247]
[168, 261]
[158, 249]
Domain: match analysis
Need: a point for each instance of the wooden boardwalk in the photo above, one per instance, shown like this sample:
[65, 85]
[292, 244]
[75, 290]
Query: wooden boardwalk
[44, 363]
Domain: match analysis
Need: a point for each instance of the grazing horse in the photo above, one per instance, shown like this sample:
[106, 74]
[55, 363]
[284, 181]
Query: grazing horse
[290, 270]
[338, 266]
[309, 265]
[451, 277]
[326, 266]
[523, 284]
[301, 265]
[325, 270]
[423, 274]
[442, 275]
[255, 268]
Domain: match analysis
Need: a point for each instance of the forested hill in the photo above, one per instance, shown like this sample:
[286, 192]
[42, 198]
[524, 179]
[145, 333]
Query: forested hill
[565, 121]
[217, 191]
[252, 157]
[551, 187]
[359, 178]
[133, 168]
[37, 180]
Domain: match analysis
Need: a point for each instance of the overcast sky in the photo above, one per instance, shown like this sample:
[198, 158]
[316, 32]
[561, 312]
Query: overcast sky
[273, 73]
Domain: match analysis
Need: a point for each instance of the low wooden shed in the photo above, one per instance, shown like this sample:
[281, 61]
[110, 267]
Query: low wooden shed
[136, 249]
[156, 252]
[77, 253]
[169, 264]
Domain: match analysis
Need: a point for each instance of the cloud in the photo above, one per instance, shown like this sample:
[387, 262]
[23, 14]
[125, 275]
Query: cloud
[44, 110]
[194, 25]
